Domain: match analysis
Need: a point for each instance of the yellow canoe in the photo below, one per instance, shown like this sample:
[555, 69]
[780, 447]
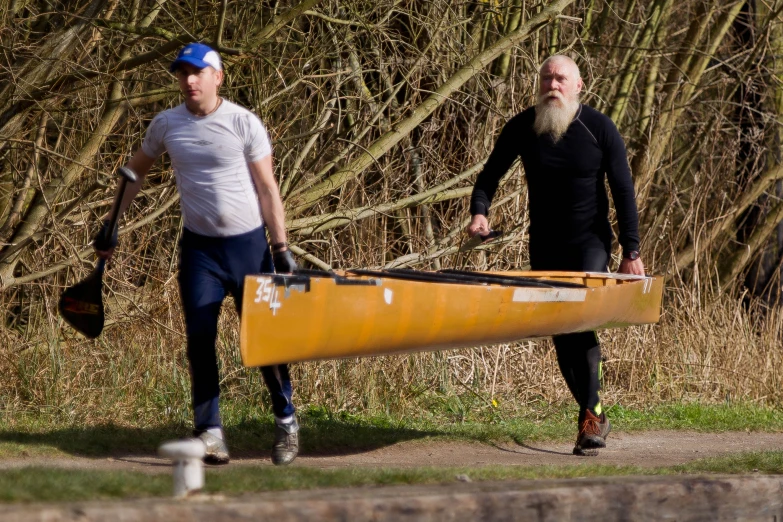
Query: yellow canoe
[325, 315]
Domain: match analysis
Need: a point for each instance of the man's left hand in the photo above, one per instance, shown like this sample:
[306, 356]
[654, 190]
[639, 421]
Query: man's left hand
[631, 266]
[284, 262]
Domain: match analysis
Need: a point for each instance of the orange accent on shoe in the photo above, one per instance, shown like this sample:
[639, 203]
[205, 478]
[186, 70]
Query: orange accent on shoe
[590, 425]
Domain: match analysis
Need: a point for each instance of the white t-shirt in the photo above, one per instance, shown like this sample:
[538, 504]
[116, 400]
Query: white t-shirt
[210, 156]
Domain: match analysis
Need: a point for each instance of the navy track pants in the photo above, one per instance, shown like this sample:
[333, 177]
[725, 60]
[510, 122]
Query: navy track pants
[210, 269]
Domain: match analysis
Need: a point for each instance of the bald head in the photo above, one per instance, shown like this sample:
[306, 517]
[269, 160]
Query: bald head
[560, 61]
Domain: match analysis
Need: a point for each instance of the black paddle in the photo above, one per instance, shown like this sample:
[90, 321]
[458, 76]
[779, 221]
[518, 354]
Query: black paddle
[82, 304]
[478, 240]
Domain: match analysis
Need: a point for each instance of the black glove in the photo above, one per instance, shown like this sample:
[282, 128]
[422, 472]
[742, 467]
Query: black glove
[284, 262]
[103, 241]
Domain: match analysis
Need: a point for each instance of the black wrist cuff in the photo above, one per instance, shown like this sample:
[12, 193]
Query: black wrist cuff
[478, 208]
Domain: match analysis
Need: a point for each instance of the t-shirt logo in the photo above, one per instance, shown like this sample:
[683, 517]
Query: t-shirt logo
[202, 143]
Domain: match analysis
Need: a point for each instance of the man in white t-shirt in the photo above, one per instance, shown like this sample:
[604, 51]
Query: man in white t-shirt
[222, 161]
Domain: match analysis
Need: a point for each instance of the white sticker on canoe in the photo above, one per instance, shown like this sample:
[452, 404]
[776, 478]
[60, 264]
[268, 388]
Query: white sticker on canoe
[547, 295]
[387, 295]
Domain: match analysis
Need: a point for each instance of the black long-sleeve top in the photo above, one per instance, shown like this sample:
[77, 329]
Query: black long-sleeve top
[568, 203]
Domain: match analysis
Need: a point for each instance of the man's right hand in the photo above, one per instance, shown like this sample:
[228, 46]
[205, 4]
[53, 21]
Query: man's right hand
[634, 267]
[478, 225]
[105, 241]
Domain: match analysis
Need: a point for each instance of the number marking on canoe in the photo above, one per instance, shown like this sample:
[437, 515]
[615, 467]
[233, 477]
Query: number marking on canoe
[267, 292]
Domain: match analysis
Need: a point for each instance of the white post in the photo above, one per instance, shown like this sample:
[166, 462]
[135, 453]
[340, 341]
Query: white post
[186, 458]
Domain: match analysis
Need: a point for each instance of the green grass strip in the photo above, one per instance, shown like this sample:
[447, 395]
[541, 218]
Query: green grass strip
[37, 484]
[325, 432]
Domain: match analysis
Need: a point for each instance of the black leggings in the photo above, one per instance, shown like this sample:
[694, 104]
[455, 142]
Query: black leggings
[578, 354]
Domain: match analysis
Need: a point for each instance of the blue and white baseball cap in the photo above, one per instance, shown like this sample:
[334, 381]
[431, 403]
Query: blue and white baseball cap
[199, 55]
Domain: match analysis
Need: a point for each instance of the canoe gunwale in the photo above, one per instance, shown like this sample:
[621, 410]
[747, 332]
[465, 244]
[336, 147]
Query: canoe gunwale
[369, 277]
[287, 281]
[502, 279]
[338, 279]
[463, 278]
[619, 276]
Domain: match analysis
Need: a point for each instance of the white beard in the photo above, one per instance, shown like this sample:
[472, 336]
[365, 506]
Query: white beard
[554, 116]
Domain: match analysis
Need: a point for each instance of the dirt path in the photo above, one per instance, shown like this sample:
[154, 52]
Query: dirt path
[650, 449]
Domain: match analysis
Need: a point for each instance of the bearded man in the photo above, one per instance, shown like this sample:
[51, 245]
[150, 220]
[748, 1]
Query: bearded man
[568, 150]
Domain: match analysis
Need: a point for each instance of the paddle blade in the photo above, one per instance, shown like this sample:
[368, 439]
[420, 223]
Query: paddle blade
[82, 304]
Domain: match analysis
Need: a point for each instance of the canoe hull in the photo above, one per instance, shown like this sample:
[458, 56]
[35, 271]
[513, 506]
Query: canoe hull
[289, 319]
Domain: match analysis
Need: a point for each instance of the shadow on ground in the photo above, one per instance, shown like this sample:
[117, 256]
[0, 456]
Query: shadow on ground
[249, 439]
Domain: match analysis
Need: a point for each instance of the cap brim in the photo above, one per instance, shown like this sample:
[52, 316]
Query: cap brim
[191, 61]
